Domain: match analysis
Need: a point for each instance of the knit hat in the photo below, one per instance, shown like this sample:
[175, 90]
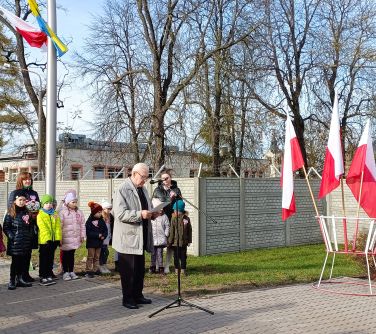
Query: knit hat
[106, 205]
[70, 196]
[15, 194]
[179, 205]
[94, 207]
[46, 199]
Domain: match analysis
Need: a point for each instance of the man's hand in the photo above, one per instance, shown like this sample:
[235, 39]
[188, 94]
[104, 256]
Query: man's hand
[146, 214]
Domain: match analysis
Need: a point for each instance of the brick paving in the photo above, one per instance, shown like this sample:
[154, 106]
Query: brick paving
[94, 306]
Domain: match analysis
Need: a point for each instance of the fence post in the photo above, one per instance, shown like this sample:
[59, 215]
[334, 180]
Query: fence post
[202, 219]
[242, 215]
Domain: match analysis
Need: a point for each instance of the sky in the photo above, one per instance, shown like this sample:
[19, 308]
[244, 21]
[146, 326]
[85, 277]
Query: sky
[72, 22]
[73, 17]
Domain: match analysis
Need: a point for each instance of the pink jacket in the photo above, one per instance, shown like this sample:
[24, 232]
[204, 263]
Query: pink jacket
[73, 228]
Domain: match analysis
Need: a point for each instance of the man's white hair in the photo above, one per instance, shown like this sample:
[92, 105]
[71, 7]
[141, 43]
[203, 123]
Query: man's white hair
[141, 167]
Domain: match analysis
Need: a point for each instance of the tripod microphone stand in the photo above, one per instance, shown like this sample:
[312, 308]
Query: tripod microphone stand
[179, 301]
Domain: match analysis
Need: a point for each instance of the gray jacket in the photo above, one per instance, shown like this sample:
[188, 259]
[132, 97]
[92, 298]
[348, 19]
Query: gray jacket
[127, 235]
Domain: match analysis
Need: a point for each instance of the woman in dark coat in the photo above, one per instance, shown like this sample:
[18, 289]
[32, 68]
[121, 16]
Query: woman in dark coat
[19, 231]
[25, 182]
[167, 191]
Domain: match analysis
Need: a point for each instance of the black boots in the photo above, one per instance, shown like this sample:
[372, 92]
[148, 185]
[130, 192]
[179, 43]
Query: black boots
[22, 283]
[152, 270]
[12, 284]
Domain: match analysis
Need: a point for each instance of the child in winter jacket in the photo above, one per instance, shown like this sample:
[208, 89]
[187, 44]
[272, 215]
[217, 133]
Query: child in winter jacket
[96, 232]
[73, 231]
[180, 236]
[49, 237]
[160, 228]
[109, 220]
[19, 231]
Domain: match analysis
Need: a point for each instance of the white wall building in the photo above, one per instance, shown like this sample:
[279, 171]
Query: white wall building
[79, 158]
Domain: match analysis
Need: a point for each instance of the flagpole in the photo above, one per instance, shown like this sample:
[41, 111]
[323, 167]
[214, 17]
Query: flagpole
[357, 212]
[51, 106]
[310, 191]
[344, 221]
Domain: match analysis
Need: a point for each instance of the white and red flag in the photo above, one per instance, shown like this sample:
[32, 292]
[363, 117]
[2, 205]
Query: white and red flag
[292, 161]
[333, 165]
[363, 167]
[35, 37]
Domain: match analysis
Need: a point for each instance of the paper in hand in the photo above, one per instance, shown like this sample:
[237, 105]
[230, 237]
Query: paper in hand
[159, 207]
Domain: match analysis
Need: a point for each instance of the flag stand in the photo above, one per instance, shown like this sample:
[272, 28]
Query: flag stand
[344, 220]
[357, 212]
[310, 191]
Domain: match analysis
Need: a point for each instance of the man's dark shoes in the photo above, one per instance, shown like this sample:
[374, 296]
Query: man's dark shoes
[27, 278]
[143, 300]
[20, 282]
[131, 306]
[12, 284]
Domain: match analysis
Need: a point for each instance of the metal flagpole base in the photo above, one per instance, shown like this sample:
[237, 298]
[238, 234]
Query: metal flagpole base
[180, 302]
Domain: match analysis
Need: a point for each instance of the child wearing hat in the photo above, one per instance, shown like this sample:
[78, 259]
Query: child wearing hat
[180, 236]
[19, 231]
[49, 237]
[96, 232]
[73, 232]
[109, 221]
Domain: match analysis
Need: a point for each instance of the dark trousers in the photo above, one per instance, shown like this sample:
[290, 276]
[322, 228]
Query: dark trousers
[104, 255]
[46, 259]
[180, 254]
[67, 260]
[19, 265]
[27, 262]
[132, 272]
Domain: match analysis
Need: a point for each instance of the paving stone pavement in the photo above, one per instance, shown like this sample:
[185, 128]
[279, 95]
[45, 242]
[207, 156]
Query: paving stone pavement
[94, 306]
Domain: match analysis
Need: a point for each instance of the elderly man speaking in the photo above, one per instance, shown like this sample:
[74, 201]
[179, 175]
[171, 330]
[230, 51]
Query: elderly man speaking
[132, 234]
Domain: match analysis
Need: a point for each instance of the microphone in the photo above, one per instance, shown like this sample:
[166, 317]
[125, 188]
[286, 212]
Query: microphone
[155, 181]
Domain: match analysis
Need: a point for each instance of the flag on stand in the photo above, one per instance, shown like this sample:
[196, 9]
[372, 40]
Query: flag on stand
[292, 161]
[333, 165]
[363, 166]
[34, 37]
[60, 47]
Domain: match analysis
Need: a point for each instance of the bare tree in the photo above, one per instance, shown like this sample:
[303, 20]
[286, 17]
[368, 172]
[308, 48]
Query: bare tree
[16, 57]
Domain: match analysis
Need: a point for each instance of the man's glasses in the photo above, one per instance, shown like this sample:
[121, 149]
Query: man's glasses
[143, 177]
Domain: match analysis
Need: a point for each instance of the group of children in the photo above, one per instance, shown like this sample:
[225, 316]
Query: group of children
[64, 227]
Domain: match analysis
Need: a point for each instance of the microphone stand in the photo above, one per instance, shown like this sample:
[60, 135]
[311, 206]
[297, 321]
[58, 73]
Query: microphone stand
[179, 301]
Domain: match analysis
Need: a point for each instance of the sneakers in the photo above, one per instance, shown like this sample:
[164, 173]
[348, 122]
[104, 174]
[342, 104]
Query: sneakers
[67, 276]
[49, 279]
[43, 281]
[104, 270]
[73, 275]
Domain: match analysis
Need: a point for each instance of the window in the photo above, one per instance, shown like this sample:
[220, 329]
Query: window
[99, 172]
[76, 172]
[192, 172]
[13, 174]
[112, 172]
[34, 172]
[151, 172]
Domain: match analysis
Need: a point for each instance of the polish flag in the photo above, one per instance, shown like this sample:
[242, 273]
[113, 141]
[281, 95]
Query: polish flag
[35, 38]
[292, 161]
[333, 165]
[364, 163]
